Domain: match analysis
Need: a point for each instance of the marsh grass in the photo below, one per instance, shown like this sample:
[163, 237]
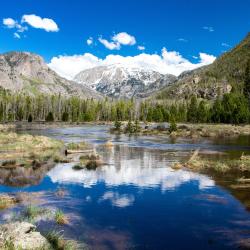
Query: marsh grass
[90, 162]
[7, 201]
[31, 212]
[78, 167]
[76, 146]
[211, 130]
[61, 218]
[222, 166]
[58, 242]
[21, 150]
[93, 164]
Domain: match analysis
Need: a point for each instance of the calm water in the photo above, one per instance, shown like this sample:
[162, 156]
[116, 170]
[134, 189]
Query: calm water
[136, 201]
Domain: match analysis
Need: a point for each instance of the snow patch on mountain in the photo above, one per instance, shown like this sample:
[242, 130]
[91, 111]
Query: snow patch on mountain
[123, 82]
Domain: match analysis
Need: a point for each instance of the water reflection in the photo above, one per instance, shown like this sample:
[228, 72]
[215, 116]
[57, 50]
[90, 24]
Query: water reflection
[142, 168]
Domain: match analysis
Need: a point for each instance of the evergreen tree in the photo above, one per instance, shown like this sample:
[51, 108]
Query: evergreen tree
[117, 125]
[173, 126]
[137, 127]
[130, 127]
[30, 119]
[202, 113]
[246, 88]
[49, 117]
[192, 110]
[65, 116]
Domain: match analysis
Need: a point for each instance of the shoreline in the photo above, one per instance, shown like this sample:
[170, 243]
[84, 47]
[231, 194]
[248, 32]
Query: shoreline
[184, 130]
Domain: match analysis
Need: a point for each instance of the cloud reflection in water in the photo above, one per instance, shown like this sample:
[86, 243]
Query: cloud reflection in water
[144, 169]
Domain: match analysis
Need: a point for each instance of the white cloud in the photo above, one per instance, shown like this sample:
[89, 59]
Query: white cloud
[9, 22]
[21, 28]
[226, 45]
[208, 28]
[16, 35]
[40, 23]
[109, 45]
[182, 40]
[12, 24]
[139, 47]
[69, 66]
[118, 200]
[124, 38]
[90, 41]
[148, 173]
[168, 62]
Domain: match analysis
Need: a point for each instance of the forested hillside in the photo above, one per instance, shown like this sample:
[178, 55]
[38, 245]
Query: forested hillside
[216, 79]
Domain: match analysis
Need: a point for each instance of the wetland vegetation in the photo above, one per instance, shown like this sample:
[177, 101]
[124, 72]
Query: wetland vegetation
[40, 152]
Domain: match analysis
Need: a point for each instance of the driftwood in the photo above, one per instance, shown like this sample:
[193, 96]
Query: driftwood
[87, 151]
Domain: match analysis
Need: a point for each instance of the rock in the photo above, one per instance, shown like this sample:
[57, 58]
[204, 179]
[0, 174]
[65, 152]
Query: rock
[22, 235]
[24, 71]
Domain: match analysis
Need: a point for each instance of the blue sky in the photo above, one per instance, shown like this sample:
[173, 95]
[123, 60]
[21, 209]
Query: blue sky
[187, 27]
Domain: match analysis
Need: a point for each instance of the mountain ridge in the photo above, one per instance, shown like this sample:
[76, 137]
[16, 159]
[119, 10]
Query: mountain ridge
[118, 81]
[27, 72]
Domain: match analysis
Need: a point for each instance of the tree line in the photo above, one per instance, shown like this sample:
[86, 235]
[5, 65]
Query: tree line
[233, 107]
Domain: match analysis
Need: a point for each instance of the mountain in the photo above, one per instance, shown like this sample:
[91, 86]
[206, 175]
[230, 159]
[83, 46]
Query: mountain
[28, 73]
[121, 82]
[218, 78]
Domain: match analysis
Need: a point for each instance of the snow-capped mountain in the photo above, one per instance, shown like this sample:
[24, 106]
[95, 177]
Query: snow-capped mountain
[122, 82]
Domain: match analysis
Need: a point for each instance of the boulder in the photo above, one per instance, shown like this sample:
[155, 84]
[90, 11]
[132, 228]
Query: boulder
[22, 235]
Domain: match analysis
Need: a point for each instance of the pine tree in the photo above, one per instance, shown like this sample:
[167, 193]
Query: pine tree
[246, 89]
[117, 125]
[192, 110]
[49, 117]
[30, 119]
[173, 126]
[65, 116]
[137, 127]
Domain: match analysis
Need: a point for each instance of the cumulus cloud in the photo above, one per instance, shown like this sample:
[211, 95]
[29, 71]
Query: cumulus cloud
[69, 66]
[208, 28]
[9, 22]
[16, 35]
[124, 38]
[141, 47]
[109, 45]
[168, 62]
[90, 41]
[40, 23]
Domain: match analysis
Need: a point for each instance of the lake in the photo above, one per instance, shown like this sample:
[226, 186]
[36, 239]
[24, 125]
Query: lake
[136, 200]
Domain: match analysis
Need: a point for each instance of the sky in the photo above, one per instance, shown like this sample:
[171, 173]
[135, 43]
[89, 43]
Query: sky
[165, 36]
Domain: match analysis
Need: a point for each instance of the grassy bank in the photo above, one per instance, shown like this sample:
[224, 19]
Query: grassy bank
[22, 150]
[204, 165]
[185, 130]
[210, 130]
